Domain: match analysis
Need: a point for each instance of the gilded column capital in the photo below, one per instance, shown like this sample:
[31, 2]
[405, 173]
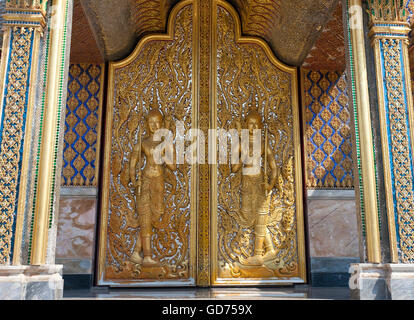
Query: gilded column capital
[26, 4]
[388, 19]
[25, 13]
[380, 11]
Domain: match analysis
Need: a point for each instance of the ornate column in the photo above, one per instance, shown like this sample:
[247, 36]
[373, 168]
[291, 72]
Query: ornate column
[392, 122]
[51, 145]
[365, 185]
[389, 39]
[24, 27]
[27, 70]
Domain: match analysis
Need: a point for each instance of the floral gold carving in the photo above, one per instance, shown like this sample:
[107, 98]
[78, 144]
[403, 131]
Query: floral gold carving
[160, 76]
[247, 79]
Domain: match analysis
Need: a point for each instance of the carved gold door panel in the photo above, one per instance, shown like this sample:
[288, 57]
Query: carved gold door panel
[257, 235]
[159, 74]
[185, 223]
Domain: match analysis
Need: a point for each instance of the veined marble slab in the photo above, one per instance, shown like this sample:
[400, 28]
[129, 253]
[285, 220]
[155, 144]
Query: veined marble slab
[78, 192]
[333, 228]
[331, 194]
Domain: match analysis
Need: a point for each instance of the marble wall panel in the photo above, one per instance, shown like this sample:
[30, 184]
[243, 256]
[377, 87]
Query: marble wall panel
[76, 234]
[333, 229]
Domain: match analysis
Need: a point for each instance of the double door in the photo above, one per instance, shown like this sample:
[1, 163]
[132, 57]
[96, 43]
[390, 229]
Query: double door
[201, 219]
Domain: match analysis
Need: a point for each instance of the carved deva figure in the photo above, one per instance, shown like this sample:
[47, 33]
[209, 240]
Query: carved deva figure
[256, 192]
[149, 188]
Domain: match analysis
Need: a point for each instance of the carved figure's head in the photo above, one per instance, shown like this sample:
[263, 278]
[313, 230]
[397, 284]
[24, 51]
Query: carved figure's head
[254, 121]
[155, 120]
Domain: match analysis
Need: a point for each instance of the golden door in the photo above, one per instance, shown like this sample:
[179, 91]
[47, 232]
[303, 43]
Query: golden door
[199, 223]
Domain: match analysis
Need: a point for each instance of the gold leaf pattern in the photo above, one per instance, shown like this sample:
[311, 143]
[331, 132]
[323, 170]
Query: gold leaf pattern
[327, 130]
[12, 134]
[399, 145]
[82, 121]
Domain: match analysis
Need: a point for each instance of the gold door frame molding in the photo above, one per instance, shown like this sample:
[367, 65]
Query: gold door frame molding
[292, 71]
[103, 233]
[204, 105]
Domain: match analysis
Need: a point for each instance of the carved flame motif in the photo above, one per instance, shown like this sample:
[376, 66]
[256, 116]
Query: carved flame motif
[161, 76]
[247, 77]
[259, 16]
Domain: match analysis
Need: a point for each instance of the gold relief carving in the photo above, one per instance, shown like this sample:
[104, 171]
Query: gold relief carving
[82, 111]
[149, 227]
[149, 192]
[81, 130]
[256, 240]
[92, 122]
[256, 193]
[148, 233]
[93, 104]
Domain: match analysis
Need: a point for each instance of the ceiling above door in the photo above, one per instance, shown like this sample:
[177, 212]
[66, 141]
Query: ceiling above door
[291, 27]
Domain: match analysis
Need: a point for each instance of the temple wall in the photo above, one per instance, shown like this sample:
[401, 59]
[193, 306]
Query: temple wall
[76, 238]
[331, 223]
[331, 212]
[78, 202]
[382, 112]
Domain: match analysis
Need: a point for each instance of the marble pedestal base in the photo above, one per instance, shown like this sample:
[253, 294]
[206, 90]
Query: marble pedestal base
[382, 281]
[367, 282]
[31, 282]
[400, 281]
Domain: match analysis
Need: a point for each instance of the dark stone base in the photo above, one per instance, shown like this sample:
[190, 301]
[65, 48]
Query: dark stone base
[331, 271]
[330, 280]
[77, 281]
